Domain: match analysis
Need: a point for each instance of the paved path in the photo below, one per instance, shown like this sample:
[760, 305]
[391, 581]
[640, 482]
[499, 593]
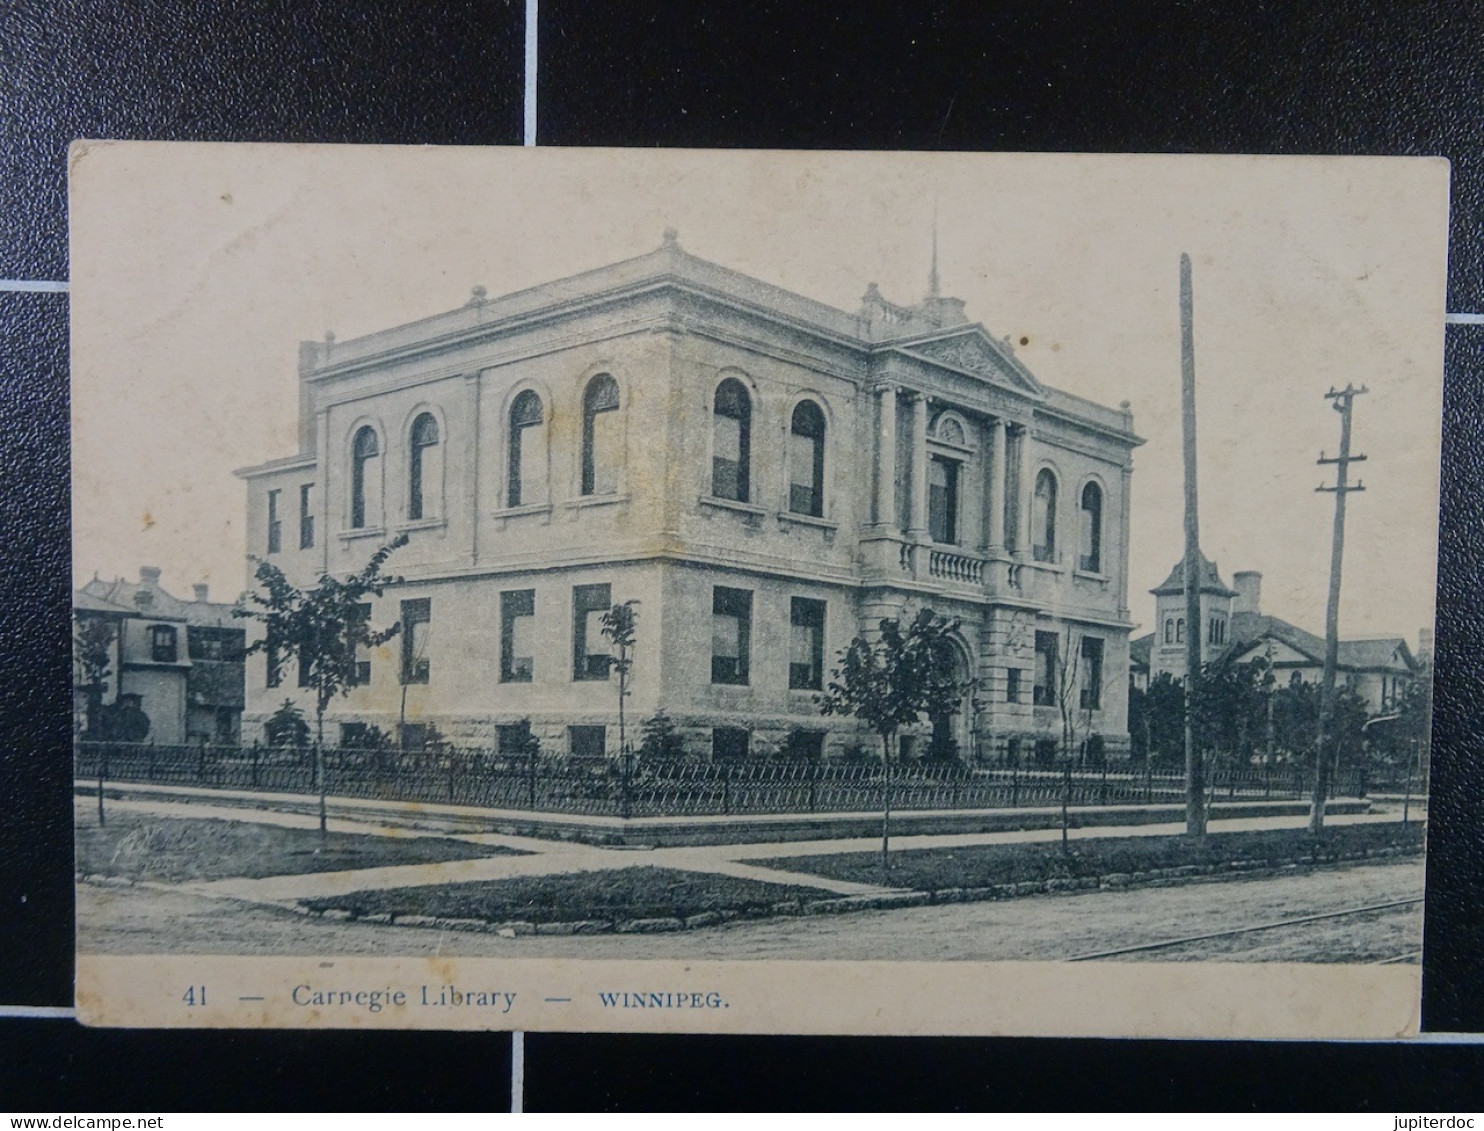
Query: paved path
[547, 857]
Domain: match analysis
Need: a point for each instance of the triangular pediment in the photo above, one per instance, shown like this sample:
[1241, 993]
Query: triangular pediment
[971, 350]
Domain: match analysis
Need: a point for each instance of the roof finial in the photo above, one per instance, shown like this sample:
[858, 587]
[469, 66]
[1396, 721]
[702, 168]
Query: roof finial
[933, 274]
[672, 238]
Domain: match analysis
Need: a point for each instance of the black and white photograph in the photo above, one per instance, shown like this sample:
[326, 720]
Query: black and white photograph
[753, 591]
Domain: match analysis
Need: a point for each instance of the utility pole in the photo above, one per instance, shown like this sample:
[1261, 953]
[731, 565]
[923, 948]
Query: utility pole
[1195, 784]
[1344, 403]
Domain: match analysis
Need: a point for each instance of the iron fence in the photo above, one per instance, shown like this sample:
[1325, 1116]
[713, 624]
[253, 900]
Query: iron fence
[633, 787]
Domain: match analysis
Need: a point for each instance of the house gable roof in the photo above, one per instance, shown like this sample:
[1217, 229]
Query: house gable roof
[1248, 631]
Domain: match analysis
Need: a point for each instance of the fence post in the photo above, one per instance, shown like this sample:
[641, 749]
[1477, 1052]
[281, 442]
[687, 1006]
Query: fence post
[1103, 795]
[201, 763]
[1015, 784]
[102, 774]
[255, 763]
[626, 795]
[726, 795]
[1149, 778]
[813, 785]
[531, 776]
[450, 776]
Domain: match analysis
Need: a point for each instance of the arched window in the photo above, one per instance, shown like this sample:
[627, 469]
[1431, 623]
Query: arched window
[1043, 518]
[731, 442]
[365, 479]
[600, 436]
[1169, 630]
[424, 468]
[1090, 551]
[806, 460]
[527, 452]
[1180, 631]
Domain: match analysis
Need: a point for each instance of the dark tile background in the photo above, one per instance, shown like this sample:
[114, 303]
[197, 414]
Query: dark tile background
[1260, 76]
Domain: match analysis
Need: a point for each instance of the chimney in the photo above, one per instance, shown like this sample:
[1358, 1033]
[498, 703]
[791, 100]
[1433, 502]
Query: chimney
[1248, 583]
[149, 576]
[1424, 642]
[201, 590]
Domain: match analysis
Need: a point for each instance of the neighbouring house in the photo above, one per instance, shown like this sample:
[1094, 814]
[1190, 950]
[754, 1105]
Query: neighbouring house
[1233, 626]
[178, 662]
[766, 475]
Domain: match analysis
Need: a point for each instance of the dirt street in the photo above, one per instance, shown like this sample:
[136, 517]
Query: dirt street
[143, 921]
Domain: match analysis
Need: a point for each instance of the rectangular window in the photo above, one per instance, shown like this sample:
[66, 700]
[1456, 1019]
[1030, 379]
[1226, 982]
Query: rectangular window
[306, 517]
[512, 739]
[804, 744]
[517, 633]
[1090, 693]
[275, 524]
[1043, 693]
[943, 500]
[162, 644]
[1012, 685]
[205, 644]
[588, 742]
[590, 658]
[806, 655]
[417, 616]
[306, 674]
[729, 744]
[731, 634]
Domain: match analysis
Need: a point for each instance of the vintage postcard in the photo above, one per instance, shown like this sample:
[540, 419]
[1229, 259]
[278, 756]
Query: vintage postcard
[753, 592]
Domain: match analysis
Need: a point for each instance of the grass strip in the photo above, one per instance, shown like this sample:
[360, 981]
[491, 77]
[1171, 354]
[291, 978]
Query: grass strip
[613, 895]
[183, 849]
[936, 869]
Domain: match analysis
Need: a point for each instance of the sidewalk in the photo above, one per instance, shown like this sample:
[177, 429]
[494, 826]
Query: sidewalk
[547, 857]
[717, 829]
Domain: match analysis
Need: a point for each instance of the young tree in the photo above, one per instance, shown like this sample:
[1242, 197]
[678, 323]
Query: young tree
[320, 628]
[92, 657]
[892, 683]
[618, 627]
[1156, 720]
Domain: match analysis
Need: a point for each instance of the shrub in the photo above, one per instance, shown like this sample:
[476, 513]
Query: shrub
[287, 726]
[660, 739]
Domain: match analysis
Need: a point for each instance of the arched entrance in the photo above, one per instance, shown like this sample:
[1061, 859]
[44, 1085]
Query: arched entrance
[952, 729]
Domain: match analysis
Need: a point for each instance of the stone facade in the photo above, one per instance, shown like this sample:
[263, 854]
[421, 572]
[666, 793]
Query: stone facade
[766, 475]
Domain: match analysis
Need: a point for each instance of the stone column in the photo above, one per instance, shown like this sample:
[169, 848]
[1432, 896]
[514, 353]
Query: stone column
[994, 487]
[1024, 492]
[471, 459]
[886, 457]
[918, 527]
[1120, 552]
[324, 460]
